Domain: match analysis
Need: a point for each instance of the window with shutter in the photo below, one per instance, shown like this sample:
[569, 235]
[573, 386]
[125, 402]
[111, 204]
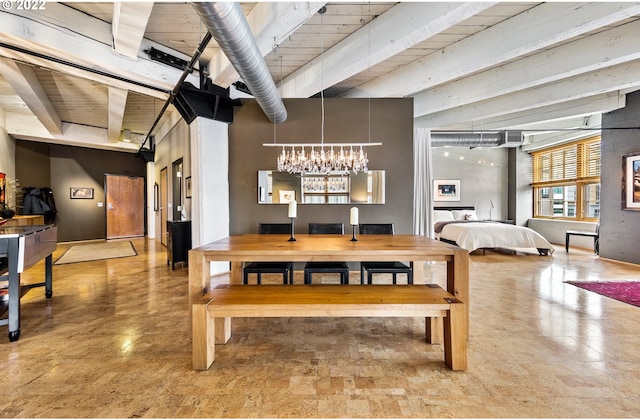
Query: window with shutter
[566, 181]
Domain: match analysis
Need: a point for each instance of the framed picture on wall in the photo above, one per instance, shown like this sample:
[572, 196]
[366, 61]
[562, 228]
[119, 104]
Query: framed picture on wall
[156, 197]
[287, 196]
[446, 190]
[3, 188]
[81, 193]
[631, 182]
[187, 186]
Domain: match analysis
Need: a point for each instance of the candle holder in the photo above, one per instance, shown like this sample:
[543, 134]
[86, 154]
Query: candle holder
[293, 227]
[354, 238]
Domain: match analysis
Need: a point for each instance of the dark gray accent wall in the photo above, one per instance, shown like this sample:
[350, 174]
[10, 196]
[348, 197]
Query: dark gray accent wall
[619, 228]
[62, 167]
[346, 120]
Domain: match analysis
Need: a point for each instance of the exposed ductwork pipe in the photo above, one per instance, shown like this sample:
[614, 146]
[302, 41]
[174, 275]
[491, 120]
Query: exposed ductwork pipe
[228, 26]
[477, 139]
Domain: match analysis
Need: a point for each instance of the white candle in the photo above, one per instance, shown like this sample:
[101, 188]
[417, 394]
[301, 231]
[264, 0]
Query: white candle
[293, 209]
[353, 219]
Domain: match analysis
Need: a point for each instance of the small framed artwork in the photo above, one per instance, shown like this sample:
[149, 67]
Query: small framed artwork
[287, 196]
[446, 190]
[187, 186]
[156, 197]
[631, 182]
[3, 188]
[81, 193]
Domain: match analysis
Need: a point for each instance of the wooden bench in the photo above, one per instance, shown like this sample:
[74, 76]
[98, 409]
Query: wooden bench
[594, 234]
[211, 316]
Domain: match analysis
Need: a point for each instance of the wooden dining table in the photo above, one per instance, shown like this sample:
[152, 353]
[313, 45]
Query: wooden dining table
[245, 248]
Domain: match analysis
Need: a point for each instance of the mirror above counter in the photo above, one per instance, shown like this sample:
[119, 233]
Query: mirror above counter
[276, 187]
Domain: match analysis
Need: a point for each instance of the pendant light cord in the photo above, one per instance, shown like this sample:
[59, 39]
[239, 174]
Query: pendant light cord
[321, 11]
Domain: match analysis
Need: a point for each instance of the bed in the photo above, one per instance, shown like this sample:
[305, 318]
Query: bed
[460, 226]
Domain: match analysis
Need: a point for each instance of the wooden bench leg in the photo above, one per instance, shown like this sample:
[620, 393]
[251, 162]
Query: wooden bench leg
[223, 329]
[203, 333]
[455, 336]
[433, 330]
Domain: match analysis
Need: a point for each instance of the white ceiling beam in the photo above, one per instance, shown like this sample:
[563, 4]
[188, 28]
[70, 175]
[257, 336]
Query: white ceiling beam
[271, 22]
[27, 127]
[398, 29]
[622, 76]
[117, 105]
[25, 83]
[39, 40]
[604, 102]
[566, 130]
[573, 122]
[535, 29]
[605, 49]
[128, 26]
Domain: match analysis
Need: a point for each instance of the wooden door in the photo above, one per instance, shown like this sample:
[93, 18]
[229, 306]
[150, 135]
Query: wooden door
[125, 206]
[164, 193]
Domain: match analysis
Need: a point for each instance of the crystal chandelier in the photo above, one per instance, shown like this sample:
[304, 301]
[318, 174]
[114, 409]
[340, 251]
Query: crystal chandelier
[323, 158]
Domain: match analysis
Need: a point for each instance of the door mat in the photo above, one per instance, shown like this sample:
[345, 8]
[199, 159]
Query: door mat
[625, 291]
[97, 251]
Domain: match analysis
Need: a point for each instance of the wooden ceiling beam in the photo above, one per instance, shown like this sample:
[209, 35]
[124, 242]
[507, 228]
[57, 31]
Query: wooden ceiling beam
[271, 22]
[128, 26]
[37, 37]
[586, 106]
[396, 30]
[605, 49]
[25, 83]
[537, 28]
[117, 105]
[611, 80]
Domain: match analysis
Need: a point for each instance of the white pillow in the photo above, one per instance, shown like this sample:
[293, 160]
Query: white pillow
[442, 215]
[468, 215]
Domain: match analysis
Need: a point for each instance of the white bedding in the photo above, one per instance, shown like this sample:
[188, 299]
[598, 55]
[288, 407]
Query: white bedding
[478, 235]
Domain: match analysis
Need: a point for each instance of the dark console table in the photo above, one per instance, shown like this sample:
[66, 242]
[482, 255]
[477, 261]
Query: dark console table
[21, 248]
[178, 242]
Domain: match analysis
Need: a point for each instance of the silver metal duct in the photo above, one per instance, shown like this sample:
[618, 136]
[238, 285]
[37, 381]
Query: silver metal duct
[477, 139]
[228, 26]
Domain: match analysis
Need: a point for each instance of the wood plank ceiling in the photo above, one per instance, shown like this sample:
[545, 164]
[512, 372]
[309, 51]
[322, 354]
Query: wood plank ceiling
[539, 67]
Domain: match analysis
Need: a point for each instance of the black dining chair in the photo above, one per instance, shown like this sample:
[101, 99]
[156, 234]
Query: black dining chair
[259, 268]
[326, 267]
[393, 268]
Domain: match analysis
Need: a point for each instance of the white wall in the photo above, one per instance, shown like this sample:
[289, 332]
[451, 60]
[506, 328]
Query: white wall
[554, 231]
[174, 145]
[480, 181]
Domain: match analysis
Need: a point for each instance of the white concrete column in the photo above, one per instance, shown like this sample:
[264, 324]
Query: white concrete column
[151, 199]
[210, 184]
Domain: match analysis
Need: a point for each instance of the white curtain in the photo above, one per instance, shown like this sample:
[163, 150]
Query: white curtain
[422, 182]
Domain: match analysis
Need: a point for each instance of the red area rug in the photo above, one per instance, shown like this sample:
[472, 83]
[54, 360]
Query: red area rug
[626, 291]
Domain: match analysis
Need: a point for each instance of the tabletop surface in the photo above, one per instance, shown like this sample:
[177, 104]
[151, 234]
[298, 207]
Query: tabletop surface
[17, 231]
[367, 246]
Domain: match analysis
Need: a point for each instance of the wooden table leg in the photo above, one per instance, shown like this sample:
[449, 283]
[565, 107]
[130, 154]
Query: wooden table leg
[223, 329]
[236, 273]
[458, 279]
[434, 330]
[199, 277]
[418, 272]
[455, 336]
[203, 337]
